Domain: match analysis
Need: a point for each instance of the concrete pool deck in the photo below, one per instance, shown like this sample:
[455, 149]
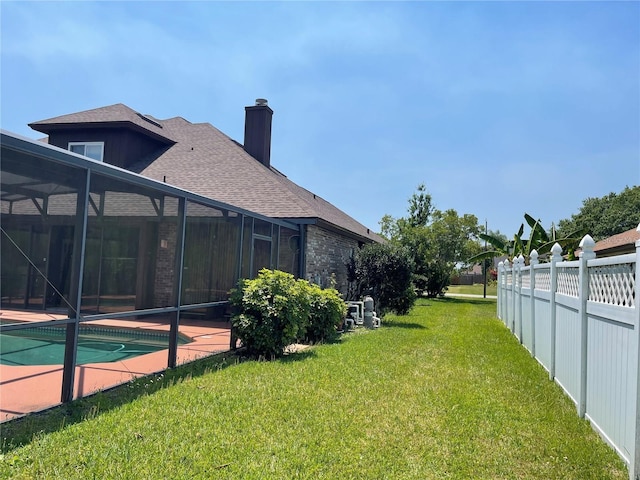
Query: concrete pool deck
[28, 389]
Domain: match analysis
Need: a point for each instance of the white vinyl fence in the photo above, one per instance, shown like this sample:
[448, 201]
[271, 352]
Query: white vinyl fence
[581, 321]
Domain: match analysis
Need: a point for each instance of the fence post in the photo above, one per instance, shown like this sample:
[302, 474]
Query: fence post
[500, 294]
[587, 253]
[634, 461]
[533, 261]
[514, 277]
[514, 281]
[506, 296]
[519, 316]
[556, 256]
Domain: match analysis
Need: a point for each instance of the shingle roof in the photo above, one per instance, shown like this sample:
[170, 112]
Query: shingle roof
[205, 161]
[118, 113]
[623, 239]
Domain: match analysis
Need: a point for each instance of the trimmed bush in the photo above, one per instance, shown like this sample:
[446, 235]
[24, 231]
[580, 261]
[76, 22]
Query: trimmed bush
[272, 312]
[327, 312]
[385, 272]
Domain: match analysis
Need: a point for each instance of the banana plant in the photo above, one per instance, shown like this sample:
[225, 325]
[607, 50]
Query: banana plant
[539, 240]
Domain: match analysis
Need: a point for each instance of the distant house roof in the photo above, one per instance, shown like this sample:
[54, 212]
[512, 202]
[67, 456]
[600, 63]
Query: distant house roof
[618, 244]
[202, 159]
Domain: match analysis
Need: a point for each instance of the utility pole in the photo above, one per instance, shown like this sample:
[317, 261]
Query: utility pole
[484, 262]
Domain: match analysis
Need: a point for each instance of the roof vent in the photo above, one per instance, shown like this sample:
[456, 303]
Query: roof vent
[262, 102]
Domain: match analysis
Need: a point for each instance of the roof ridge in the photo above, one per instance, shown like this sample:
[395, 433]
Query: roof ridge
[178, 117]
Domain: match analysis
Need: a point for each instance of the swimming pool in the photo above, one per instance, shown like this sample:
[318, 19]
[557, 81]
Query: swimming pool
[45, 345]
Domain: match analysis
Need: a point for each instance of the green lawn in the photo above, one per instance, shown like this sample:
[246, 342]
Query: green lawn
[475, 289]
[443, 393]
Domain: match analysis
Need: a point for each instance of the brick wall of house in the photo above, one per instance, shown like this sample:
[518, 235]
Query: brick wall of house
[165, 264]
[327, 255]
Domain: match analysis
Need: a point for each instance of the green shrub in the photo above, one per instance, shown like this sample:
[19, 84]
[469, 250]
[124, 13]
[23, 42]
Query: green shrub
[438, 278]
[385, 271]
[327, 312]
[272, 311]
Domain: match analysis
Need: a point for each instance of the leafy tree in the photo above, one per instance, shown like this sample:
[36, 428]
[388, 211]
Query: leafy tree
[606, 216]
[450, 240]
[389, 228]
[420, 207]
[437, 240]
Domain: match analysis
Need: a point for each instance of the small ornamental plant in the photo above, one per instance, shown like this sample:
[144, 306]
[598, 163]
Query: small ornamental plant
[272, 311]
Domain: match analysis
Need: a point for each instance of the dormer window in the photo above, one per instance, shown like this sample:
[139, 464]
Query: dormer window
[93, 150]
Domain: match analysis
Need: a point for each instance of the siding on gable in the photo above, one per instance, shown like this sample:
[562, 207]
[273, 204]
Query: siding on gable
[122, 147]
[327, 255]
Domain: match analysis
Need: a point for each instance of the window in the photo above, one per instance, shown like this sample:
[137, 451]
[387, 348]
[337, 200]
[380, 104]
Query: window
[93, 150]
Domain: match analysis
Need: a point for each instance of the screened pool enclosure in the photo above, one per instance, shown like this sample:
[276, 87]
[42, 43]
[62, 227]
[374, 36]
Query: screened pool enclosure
[85, 243]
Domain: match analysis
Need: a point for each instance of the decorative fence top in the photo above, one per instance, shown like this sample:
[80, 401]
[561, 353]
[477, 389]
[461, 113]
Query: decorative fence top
[613, 284]
[611, 280]
[543, 279]
[569, 279]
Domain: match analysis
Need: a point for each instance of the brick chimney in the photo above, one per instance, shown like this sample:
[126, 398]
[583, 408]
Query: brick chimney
[257, 131]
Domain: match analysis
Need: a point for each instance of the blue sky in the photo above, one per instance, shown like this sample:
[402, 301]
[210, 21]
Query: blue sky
[499, 108]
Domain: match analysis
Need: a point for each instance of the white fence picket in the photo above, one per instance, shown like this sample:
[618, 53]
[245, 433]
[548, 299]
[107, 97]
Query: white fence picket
[581, 321]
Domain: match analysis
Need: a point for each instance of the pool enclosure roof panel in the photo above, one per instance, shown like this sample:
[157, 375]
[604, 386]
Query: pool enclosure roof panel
[17, 186]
